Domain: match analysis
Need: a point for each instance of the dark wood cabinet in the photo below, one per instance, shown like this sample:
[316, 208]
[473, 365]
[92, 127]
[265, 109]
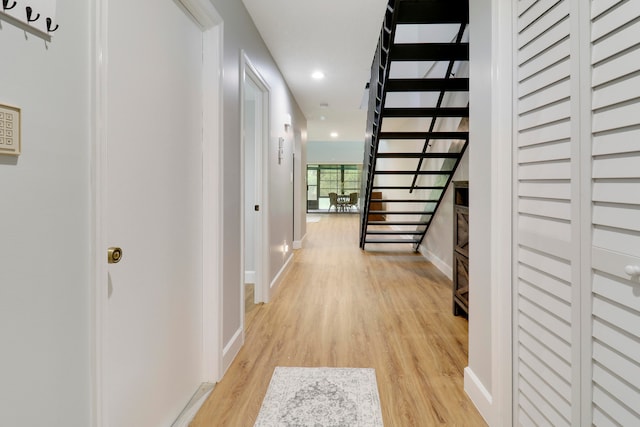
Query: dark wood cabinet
[460, 248]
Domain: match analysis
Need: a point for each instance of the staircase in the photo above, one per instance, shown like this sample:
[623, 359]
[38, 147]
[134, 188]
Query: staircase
[417, 123]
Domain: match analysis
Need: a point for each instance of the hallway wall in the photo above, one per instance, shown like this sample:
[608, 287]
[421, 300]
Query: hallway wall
[45, 200]
[241, 34]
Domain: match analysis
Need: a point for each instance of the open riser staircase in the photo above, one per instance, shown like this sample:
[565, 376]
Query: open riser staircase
[417, 123]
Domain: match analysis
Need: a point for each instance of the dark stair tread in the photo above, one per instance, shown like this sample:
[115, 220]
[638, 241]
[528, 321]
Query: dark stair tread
[407, 223]
[412, 172]
[405, 200]
[426, 112]
[432, 12]
[427, 85]
[412, 241]
[394, 232]
[399, 213]
[430, 52]
[404, 187]
[430, 155]
[424, 135]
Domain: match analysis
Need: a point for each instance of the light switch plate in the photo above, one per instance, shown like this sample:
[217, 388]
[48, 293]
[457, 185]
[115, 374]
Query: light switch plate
[10, 130]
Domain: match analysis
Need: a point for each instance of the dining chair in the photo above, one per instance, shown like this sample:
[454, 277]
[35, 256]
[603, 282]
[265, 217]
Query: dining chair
[333, 201]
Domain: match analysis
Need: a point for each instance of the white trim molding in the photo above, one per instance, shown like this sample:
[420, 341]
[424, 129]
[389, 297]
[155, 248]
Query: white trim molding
[275, 283]
[444, 268]
[232, 349]
[479, 395]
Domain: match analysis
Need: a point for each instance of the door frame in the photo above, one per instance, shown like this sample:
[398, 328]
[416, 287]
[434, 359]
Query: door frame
[206, 17]
[261, 229]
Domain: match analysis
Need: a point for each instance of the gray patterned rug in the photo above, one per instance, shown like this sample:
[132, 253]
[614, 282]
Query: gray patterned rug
[321, 397]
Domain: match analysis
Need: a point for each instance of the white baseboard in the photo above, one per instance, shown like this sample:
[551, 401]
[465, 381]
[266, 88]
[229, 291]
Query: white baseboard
[297, 244]
[278, 279]
[440, 264]
[192, 408]
[232, 349]
[250, 277]
[479, 395]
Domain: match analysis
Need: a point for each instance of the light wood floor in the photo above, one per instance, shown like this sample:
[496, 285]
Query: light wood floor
[338, 306]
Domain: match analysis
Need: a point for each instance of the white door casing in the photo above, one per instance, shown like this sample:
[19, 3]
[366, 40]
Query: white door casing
[260, 175]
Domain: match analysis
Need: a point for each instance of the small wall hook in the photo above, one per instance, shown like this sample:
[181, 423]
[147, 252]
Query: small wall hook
[5, 5]
[49, 29]
[29, 12]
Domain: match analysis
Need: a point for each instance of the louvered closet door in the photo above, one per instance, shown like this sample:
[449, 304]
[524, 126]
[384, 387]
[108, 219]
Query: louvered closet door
[546, 255]
[615, 33]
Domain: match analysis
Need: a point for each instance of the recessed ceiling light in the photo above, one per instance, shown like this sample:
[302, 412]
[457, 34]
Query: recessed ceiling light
[334, 134]
[323, 118]
[318, 75]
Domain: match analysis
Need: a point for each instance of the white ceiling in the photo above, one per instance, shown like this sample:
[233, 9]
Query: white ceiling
[338, 37]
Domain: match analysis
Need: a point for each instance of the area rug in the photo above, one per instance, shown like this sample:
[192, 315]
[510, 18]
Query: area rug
[321, 397]
[313, 218]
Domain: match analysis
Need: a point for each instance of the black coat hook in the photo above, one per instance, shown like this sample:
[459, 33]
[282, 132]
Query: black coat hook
[29, 12]
[49, 29]
[5, 5]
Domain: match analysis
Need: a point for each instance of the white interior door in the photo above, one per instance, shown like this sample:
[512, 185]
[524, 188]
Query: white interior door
[615, 177]
[153, 320]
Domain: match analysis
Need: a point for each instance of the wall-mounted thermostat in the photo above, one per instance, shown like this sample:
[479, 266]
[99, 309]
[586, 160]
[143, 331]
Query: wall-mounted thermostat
[9, 130]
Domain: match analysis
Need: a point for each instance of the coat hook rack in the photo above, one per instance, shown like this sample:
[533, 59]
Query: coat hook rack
[5, 5]
[29, 13]
[49, 29]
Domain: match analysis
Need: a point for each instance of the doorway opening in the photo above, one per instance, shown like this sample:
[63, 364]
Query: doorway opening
[255, 134]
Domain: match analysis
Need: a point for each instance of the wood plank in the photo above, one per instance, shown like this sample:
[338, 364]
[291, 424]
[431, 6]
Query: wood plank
[336, 301]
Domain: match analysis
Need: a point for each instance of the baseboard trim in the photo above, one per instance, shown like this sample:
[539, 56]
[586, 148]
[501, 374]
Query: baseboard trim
[278, 279]
[197, 400]
[479, 395]
[445, 268]
[297, 244]
[231, 350]
[250, 277]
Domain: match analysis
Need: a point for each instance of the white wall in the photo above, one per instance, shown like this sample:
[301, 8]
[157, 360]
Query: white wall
[335, 152]
[240, 34]
[45, 282]
[478, 376]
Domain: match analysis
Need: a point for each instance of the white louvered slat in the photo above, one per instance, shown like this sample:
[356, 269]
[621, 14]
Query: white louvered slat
[556, 74]
[539, 365]
[546, 282]
[553, 324]
[626, 141]
[556, 209]
[615, 43]
[617, 191]
[617, 215]
[624, 89]
[618, 17]
[619, 415]
[545, 190]
[556, 169]
[617, 240]
[537, 100]
[543, 24]
[620, 365]
[615, 68]
[549, 37]
[601, 6]
[545, 152]
[621, 390]
[541, 62]
[559, 366]
[534, 12]
[549, 133]
[552, 341]
[556, 267]
[545, 399]
[550, 303]
[615, 338]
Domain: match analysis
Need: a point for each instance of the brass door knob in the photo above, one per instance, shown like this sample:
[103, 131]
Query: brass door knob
[114, 255]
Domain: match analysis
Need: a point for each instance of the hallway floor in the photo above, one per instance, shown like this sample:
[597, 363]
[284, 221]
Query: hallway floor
[338, 306]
